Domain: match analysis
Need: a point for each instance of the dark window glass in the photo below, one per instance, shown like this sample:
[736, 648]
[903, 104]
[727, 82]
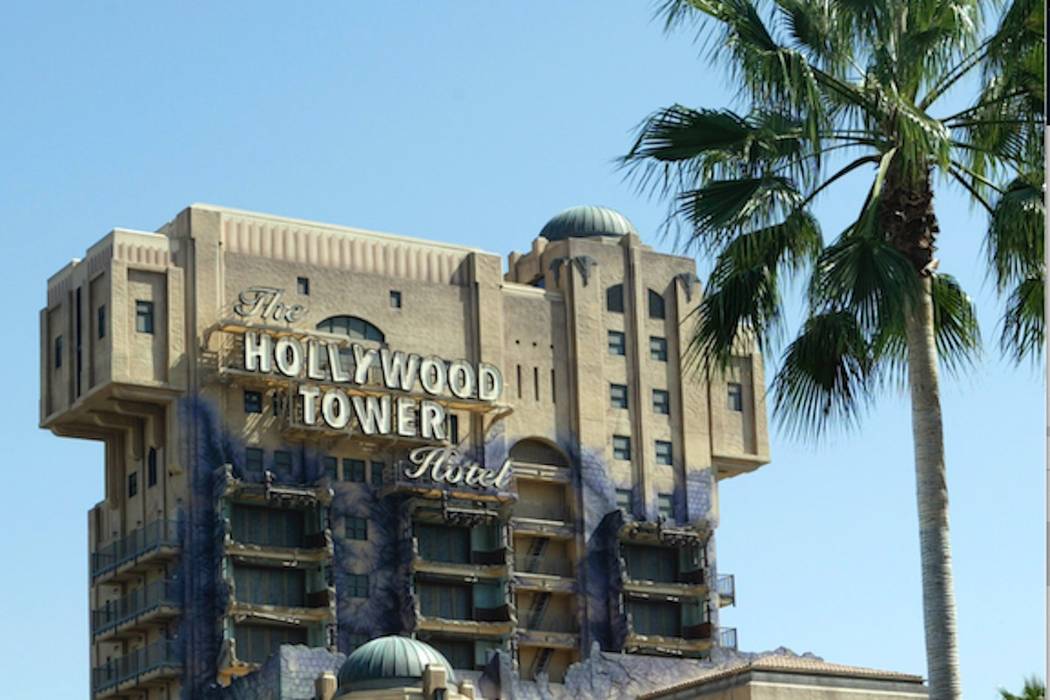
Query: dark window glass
[621, 447]
[282, 462]
[303, 285]
[655, 618]
[268, 527]
[357, 585]
[256, 643]
[331, 467]
[101, 321]
[623, 499]
[151, 467]
[656, 305]
[444, 543]
[133, 484]
[354, 470]
[352, 327]
[618, 395]
[736, 397]
[658, 348]
[445, 600]
[453, 428]
[144, 316]
[614, 298]
[459, 652]
[395, 299]
[661, 402]
[58, 352]
[663, 452]
[356, 528]
[617, 343]
[253, 459]
[665, 505]
[651, 563]
[262, 585]
[252, 402]
[377, 473]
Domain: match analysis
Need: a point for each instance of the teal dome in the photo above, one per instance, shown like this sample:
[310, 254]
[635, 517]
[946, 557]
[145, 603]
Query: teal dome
[585, 222]
[389, 662]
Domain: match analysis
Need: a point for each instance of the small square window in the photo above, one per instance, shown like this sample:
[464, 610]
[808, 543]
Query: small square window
[356, 528]
[658, 348]
[354, 470]
[395, 299]
[252, 402]
[617, 343]
[661, 402]
[58, 352]
[618, 395]
[377, 473]
[302, 284]
[621, 447]
[144, 316]
[664, 452]
[357, 585]
[133, 484]
[331, 468]
[623, 499]
[100, 321]
[253, 460]
[282, 462]
[665, 505]
[736, 396]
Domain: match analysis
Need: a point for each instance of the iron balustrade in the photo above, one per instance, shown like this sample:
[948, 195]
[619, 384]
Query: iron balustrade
[162, 654]
[154, 535]
[540, 564]
[727, 637]
[726, 585]
[138, 602]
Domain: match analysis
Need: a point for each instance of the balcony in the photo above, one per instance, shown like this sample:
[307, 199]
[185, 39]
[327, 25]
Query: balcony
[727, 637]
[155, 603]
[656, 628]
[151, 664]
[155, 541]
[542, 565]
[726, 586]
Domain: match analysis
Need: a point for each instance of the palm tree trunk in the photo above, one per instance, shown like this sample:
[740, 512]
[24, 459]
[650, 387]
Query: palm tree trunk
[938, 597]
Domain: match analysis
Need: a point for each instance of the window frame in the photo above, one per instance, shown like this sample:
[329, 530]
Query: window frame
[355, 470]
[100, 321]
[614, 299]
[355, 528]
[397, 299]
[735, 397]
[657, 305]
[253, 401]
[624, 447]
[661, 402]
[302, 286]
[59, 350]
[249, 454]
[664, 452]
[145, 321]
[618, 396]
[619, 347]
[658, 348]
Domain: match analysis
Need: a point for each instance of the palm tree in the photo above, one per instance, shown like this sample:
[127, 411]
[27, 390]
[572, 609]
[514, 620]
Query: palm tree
[1034, 689]
[858, 85]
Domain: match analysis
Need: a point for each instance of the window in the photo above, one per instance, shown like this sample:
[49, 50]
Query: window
[617, 343]
[303, 285]
[252, 402]
[614, 298]
[356, 528]
[459, 652]
[648, 563]
[151, 467]
[357, 585]
[661, 402]
[395, 299]
[736, 396]
[282, 462]
[453, 428]
[144, 316]
[656, 305]
[618, 395]
[623, 499]
[352, 327]
[133, 484]
[268, 527]
[655, 618]
[444, 543]
[658, 348]
[276, 404]
[58, 352]
[256, 643]
[621, 447]
[445, 600]
[270, 586]
[100, 321]
[253, 459]
[665, 505]
[377, 473]
[331, 468]
[664, 452]
[354, 470]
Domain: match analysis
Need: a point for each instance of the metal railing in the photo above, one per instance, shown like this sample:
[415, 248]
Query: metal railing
[159, 533]
[727, 637]
[137, 602]
[540, 564]
[136, 663]
[541, 511]
[726, 585]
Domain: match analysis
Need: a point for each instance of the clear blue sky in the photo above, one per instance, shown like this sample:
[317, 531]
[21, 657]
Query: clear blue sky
[473, 123]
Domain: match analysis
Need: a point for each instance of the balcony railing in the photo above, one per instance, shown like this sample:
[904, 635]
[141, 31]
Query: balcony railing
[727, 637]
[550, 623]
[156, 656]
[526, 564]
[159, 533]
[138, 602]
[726, 585]
[541, 511]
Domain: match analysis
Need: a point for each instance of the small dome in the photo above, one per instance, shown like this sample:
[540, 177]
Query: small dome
[584, 222]
[389, 662]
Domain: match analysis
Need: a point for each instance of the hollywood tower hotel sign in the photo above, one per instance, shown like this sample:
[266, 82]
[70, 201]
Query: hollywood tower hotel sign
[335, 386]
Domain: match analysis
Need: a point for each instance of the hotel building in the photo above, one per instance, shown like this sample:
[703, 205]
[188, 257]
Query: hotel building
[317, 435]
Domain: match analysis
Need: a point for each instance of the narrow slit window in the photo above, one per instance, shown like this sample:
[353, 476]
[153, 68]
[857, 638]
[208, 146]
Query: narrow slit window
[302, 284]
[736, 396]
[519, 381]
[100, 321]
[144, 316]
[536, 383]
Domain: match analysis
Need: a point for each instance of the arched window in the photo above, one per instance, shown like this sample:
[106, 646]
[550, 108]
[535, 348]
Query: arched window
[614, 298]
[656, 305]
[536, 451]
[352, 327]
